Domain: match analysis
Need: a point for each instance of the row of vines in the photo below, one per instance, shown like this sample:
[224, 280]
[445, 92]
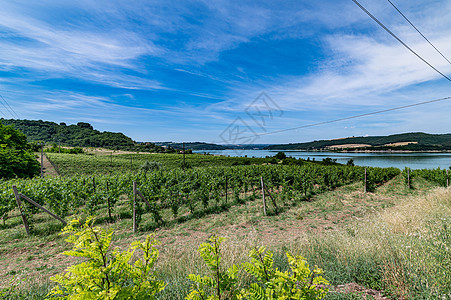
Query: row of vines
[438, 176]
[197, 190]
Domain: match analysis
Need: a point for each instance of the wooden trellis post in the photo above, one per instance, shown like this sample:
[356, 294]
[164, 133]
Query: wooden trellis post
[226, 189]
[22, 213]
[42, 160]
[136, 192]
[265, 189]
[408, 178]
[108, 199]
[134, 207]
[447, 178]
[17, 195]
[263, 195]
[364, 183]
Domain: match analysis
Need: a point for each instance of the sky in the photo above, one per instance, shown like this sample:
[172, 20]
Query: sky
[226, 72]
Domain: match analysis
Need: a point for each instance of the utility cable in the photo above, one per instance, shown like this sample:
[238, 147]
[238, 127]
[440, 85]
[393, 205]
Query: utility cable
[419, 32]
[10, 109]
[352, 117]
[398, 39]
[10, 112]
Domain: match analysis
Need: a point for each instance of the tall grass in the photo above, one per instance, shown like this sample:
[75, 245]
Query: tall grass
[404, 250]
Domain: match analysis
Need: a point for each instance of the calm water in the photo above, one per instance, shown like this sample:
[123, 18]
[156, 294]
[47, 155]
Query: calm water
[397, 160]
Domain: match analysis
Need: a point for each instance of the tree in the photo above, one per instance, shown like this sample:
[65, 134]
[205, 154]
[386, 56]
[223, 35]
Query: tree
[85, 125]
[16, 159]
[280, 155]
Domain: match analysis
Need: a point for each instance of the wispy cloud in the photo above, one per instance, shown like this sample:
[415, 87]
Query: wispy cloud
[34, 44]
[360, 71]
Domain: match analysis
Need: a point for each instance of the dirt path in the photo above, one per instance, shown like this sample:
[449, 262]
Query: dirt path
[49, 170]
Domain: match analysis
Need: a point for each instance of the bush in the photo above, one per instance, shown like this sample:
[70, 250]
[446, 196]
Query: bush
[106, 274]
[56, 149]
[280, 155]
[269, 283]
[16, 159]
[17, 163]
[150, 166]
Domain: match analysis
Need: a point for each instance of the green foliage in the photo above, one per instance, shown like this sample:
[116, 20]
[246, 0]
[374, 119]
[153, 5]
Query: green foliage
[269, 283]
[299, 282]
[221, 284]
[150, 166]
[57, 149]
[280, 155]
[11, 138]
[329, 161]
[17, 163]
[16, 160]
[292, 161]
[438, 176]
[80, 135]
[106, 273]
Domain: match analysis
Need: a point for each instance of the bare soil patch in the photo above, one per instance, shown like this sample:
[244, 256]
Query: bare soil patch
[49, 169]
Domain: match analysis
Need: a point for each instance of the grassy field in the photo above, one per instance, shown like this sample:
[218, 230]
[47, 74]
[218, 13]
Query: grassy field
[395, 240]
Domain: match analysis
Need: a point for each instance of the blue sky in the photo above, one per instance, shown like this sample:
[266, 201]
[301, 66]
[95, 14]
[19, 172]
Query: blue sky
[187, 70]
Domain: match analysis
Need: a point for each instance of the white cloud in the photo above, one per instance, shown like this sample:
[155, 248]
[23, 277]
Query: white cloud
[36, 45]
[360, 71]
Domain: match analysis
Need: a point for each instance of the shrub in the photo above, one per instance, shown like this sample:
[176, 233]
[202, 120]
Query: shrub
[16, 159]
[280, 155]
[106, 274]
[269, 283]
[150, 166]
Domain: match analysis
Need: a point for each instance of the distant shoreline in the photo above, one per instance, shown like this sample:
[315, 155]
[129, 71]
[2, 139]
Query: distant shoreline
[335, 151]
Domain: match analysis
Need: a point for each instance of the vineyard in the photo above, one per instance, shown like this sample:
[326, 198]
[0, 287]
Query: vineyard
[438, 176]
[109, 162]
[177, 195]
[184, 204]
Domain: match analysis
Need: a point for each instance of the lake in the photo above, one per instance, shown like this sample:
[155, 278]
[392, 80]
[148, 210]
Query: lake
[384, 160]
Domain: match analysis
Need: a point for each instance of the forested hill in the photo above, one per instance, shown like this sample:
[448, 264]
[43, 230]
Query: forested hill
[80, 135]
[192, 145]
[415, 141]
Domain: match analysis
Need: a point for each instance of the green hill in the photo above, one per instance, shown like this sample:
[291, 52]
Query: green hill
[80, 135]
[192, 145]
[415, 141]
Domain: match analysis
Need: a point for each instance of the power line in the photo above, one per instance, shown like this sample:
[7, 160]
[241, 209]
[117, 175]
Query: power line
[353, 117]
[398, 39]
[419, 32]
[10, 109]
[7, 110]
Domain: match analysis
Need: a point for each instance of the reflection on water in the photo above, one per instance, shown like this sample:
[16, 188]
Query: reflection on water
[397, 160]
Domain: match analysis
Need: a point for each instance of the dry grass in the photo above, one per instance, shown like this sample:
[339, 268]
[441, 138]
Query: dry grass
[404, 241]
[411, 216]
